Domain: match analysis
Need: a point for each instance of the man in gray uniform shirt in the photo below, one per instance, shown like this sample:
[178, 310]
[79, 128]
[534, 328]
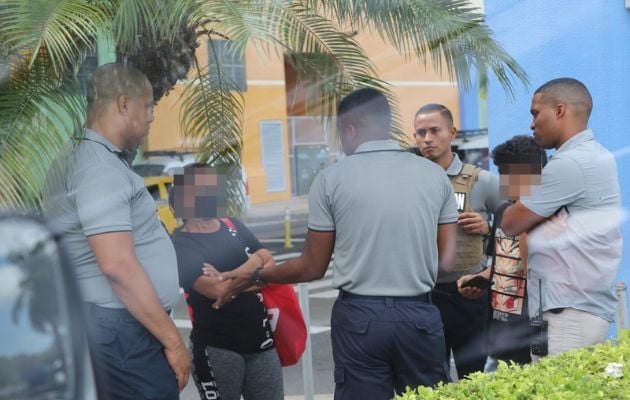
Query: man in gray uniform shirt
[477, 194]
[572, 221]
[389, 216]
[123, 258]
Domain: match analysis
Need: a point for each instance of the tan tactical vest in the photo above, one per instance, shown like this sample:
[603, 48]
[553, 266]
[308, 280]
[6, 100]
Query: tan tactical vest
[469, 249]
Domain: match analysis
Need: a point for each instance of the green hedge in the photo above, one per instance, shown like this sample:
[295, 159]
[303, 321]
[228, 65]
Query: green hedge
[578, 374]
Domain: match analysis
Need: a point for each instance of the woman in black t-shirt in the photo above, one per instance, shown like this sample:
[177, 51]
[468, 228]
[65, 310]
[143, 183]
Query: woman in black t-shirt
[232, 346]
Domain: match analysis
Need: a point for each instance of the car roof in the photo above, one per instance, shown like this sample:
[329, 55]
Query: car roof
[166, 160]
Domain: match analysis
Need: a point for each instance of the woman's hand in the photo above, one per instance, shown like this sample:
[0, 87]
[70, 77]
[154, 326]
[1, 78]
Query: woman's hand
[239, 279]
[210, 271]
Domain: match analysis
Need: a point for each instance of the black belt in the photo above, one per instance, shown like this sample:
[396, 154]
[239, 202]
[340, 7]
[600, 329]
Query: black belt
[425, 298]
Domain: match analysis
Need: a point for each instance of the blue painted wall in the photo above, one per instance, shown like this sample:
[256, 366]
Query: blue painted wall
[585, 39]
[469, 106]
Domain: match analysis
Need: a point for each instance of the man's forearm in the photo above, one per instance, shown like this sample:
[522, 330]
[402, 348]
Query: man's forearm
[310, 265]
[136, 292]
[519, 219]
[293, 271]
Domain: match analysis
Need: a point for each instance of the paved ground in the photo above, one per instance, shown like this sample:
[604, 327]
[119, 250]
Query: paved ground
[297, 206]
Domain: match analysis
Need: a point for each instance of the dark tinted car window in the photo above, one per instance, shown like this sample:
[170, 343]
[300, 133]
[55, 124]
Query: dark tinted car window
[148, 169]
[154, 191]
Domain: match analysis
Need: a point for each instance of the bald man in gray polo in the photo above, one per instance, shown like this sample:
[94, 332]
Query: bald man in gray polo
[124, 261]
[95, 191]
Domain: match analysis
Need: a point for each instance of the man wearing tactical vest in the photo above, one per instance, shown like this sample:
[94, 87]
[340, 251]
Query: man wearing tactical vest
[477, 196]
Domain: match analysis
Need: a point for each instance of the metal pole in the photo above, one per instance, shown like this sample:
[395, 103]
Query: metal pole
[621, 292]
[307, 357]
[287, 229]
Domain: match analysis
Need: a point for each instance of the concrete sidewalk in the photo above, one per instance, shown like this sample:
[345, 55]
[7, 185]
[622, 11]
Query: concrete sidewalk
[275, 211]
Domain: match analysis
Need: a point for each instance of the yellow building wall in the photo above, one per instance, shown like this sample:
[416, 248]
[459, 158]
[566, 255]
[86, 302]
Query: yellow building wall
[265, 99]
[263, 103]
[165, 133]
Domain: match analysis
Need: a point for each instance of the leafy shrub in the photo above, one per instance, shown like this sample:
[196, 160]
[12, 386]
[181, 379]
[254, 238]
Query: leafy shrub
[578, 374]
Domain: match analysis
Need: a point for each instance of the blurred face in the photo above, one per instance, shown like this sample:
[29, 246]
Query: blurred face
[140, 118]
[516, 180]
[544, 122]
[434, 134]
[200, 193]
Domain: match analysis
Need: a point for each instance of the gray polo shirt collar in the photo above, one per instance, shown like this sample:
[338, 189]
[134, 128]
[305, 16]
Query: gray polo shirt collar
[95, 137]
[579, 138]
[377, 145]
[456, 166]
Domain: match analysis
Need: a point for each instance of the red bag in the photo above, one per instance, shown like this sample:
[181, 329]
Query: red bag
[286, 320]
[285, 316]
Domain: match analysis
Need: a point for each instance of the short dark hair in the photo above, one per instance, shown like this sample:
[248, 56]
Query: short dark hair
[433, 107]
[362, 104]
[521, 149]
[567, 90]
[114, 79]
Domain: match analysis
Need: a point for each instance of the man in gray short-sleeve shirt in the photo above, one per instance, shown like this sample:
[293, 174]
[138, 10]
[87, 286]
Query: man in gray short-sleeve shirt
[572, 221]
[105, 195]
[389, 216]
[124, 261]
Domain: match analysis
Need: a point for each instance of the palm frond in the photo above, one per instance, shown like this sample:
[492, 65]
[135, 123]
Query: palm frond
[134, 22]
[138, 24]
[211, 116]
[332, 61]
[65, 28]
[320, 53]
[48, 39]
[182, 13]
[36, 117]
[450, 33]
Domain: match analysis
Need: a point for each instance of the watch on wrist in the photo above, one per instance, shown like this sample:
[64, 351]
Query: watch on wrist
[256, 279]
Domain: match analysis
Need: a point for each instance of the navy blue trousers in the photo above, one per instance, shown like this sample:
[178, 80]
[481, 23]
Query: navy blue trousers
[464, 327]
[129, 362]
[383, 344]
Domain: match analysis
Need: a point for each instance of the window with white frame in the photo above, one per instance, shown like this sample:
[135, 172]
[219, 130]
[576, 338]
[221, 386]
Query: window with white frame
[273, 155]
[232, 64]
